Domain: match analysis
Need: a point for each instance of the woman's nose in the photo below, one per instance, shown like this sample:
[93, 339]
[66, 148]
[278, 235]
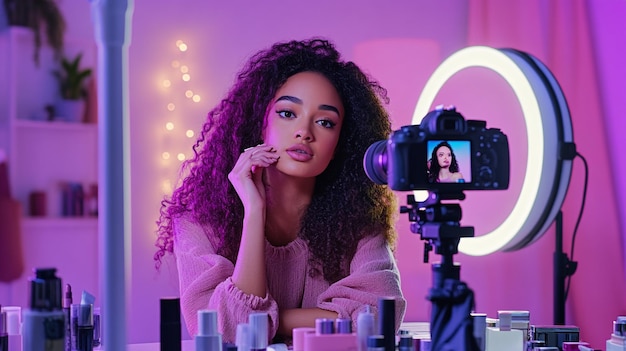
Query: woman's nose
[304, 132]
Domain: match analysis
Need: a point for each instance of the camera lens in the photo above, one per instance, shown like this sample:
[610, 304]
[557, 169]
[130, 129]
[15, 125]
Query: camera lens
[375, 162]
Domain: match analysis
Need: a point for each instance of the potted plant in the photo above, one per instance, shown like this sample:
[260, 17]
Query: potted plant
[72, 79]
[38, 15]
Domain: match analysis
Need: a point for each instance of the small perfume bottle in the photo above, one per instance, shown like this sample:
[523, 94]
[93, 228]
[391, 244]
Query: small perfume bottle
[44, 321]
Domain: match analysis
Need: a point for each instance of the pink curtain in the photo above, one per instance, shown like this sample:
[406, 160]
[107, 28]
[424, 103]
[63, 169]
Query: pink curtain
[558, 33]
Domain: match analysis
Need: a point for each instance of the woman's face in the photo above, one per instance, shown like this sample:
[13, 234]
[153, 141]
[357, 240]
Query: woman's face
[303, 123]
[444, 156]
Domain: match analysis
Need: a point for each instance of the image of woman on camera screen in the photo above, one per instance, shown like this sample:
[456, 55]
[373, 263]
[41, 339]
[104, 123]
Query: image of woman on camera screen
[446, 167]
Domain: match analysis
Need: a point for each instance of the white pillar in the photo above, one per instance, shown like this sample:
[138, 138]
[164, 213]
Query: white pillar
[112, 21]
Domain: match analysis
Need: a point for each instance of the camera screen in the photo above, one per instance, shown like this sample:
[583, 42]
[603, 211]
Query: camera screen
[449, 161]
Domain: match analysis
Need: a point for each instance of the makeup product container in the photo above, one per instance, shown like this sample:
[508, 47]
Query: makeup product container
[13, 326]
[44, 321]
[170, 325]
[208, 339]
[364, 327]
[258, 331]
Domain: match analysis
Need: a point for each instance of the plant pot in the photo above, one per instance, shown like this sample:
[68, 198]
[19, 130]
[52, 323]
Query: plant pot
[70, 111]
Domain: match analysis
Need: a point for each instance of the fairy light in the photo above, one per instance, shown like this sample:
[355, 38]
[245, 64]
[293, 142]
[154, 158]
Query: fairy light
[181, 45]
[166, 186]
[172, 131]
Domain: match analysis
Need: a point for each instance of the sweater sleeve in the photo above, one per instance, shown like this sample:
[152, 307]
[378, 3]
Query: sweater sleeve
[373, 274]
[205, 283]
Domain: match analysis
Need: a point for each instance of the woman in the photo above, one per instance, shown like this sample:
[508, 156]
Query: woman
[445, 169]
[276, 213]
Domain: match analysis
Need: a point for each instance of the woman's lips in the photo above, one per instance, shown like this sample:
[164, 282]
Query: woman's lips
[300, 153]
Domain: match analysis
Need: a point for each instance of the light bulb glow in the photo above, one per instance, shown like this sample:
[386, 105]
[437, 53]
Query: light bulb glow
[184, 69]
[189, 93]
[169, 126]
[165, 155]
[196, 98]
[186, 77]
[183, 47]
[167, 83]
[171, 106]
[189, 133]
[166, 186]
[181, 157]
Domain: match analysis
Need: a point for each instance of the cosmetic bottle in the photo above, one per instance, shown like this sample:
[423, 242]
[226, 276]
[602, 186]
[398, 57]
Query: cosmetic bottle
[4, 335]
[258, 331]
[67, 303]
[376, 343]
[243, 337]
[387, 321]
[479, 328]
[406, 343]
[13, 326]
[208, 339]
[44, 321]
[343, 326]
[328, 338]
[171, 332]
[84, 330]
[617, 342]
[299, 335]
[97, 325]
[364, 327]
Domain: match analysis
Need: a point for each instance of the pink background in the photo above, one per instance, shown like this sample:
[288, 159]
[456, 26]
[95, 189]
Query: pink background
[400, 43]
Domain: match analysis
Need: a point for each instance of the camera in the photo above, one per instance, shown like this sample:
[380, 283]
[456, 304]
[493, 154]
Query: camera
[445, 154]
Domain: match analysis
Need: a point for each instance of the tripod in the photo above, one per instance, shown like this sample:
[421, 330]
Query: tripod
[451, 326]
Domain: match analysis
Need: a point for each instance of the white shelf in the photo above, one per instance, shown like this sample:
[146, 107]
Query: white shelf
[60, 223]
[54, 125]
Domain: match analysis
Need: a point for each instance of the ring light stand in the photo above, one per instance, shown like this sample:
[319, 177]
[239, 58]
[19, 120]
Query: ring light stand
[543, 190]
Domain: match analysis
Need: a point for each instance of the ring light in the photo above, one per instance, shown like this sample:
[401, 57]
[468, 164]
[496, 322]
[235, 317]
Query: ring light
[549, 133]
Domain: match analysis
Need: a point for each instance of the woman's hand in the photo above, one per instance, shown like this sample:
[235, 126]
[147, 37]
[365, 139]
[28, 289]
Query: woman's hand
[247, 178]
[247, 175]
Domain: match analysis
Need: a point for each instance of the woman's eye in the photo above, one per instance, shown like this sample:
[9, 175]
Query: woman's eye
[285, 114]
[326, 123]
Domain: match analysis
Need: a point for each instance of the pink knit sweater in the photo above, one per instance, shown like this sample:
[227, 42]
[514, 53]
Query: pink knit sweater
[205, 281]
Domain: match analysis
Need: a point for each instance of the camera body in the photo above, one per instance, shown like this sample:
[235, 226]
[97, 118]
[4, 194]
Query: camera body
[445, 153]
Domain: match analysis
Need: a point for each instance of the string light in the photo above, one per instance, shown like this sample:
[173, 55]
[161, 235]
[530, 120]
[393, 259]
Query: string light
[179, 77]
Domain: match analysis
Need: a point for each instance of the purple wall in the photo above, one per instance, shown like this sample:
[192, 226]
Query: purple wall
[417, 35]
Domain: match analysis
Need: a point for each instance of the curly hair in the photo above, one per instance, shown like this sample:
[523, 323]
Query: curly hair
[433, 169]
[345, 206]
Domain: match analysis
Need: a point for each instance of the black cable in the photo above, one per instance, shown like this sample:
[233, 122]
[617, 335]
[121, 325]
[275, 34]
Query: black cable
[580, 214]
